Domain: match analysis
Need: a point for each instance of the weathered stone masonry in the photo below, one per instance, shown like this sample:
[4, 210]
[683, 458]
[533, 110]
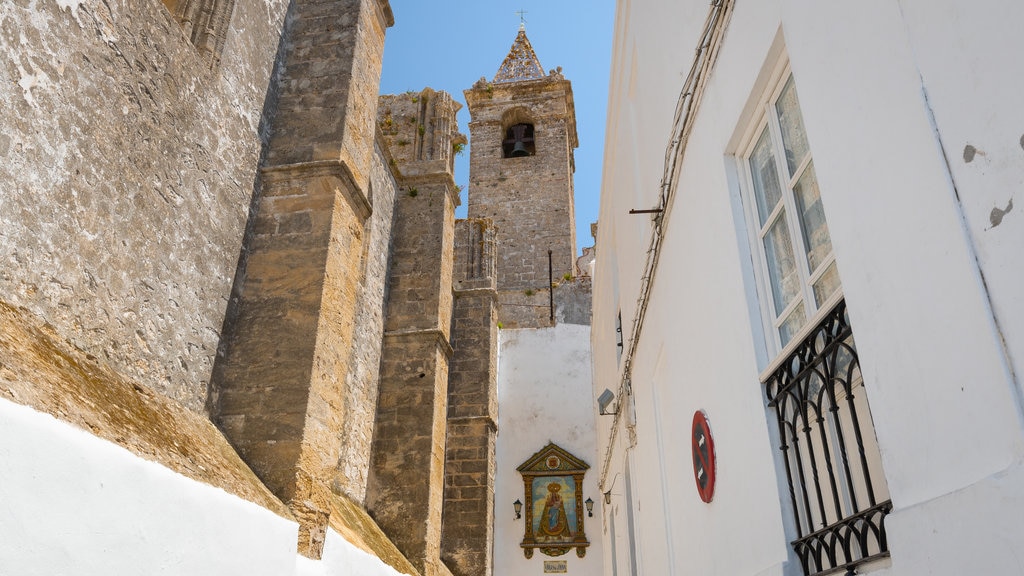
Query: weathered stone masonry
[361, 382]
[468, 531]
[529, 198]
[127, 173]
[405, 494]
[280, 383]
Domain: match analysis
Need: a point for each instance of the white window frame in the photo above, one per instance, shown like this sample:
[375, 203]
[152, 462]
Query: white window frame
[765, 115]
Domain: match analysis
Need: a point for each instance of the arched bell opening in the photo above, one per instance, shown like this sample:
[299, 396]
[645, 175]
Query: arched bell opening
[519, 141]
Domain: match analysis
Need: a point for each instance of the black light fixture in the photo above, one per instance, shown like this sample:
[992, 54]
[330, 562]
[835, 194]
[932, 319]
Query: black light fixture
[590, 506]
[519, 508]
[608, 497]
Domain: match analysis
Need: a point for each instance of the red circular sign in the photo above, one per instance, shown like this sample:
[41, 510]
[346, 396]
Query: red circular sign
[703, 456]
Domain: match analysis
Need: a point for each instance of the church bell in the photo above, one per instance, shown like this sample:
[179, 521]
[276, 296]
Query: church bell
[519, 149]
[519, 141]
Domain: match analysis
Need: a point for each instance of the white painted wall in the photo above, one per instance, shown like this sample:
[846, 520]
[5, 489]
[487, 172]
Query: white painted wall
[74, 504]
[340, 558]
[889, 91]
[544, 395]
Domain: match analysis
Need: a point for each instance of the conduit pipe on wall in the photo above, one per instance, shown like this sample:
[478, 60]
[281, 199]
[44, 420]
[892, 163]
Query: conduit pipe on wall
[686, 110]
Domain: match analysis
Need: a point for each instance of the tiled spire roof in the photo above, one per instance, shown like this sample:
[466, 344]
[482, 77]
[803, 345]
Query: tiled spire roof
[521, 62]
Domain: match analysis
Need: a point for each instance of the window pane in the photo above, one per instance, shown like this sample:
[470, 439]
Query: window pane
[812, 219]
[792, 325]
[794, 138]
[778, 251]
[826, 285]
[766, 177]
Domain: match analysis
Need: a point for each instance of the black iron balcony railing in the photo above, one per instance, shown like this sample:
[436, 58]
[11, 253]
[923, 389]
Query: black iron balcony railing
[838, 491]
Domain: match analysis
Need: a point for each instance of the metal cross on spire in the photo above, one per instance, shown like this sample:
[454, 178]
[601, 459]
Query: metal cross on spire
[522, 18]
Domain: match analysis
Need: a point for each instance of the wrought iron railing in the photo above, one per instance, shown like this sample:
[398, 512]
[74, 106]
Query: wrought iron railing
[838, 492]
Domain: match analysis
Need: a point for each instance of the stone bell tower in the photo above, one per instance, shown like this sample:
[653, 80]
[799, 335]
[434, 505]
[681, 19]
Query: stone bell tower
[523, 133]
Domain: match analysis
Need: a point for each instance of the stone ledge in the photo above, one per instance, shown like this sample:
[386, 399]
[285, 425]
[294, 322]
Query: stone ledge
[322, 169]
[473, 291]
[487, 420]
[39, 369]
[353, 523]
[442, 340]
[425, 173]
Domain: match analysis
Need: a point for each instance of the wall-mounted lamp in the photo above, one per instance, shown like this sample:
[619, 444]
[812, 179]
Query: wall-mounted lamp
[604, 400]
[590, 506]
[519, 509]
[608, 497]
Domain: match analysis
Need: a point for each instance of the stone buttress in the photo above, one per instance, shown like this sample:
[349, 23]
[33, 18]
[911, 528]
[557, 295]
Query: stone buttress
[277, 385]
[405, 491]
[467, 544]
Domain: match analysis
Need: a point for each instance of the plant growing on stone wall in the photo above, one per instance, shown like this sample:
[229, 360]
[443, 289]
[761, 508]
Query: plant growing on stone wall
[402, 142]
[458, 189]
[413, 192]
[528, 292]
[422, 129]
[567, 277]
[458, 148]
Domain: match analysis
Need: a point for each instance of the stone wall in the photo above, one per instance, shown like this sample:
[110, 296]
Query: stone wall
[524, 308]
[532, 308]
[573, 301]
[129, 160]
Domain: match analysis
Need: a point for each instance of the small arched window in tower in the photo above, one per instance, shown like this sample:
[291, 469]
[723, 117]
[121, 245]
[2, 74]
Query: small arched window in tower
[519, 141]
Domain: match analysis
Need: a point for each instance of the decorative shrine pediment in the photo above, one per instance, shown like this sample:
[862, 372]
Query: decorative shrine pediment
[552, 459]
[553, 489]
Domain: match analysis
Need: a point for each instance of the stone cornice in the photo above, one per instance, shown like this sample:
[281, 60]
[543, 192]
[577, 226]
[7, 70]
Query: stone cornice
[444, 178]
[337, 169]
[487, 420]
[417, 333]
[491, 293]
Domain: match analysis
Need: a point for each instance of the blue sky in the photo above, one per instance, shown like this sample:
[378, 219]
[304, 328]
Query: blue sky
[449, 44]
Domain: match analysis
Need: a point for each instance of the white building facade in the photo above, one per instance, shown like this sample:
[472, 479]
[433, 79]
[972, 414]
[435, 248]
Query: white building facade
[544, 384]
[823, 268]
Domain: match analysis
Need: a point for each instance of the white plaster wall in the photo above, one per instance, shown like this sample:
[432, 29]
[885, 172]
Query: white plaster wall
[963, 52]
[911, 255]
[74, 504]
[342, 558]
[544, 395]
